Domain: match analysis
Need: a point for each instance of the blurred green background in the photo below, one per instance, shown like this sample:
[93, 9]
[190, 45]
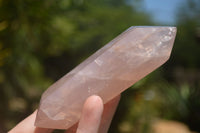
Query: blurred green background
[40, 41]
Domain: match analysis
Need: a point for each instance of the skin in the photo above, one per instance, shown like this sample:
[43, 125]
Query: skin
[95, 118]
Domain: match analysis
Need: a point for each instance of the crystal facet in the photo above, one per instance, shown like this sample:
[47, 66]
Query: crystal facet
[112, 69]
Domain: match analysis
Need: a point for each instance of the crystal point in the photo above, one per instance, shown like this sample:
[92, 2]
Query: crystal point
[108, 72]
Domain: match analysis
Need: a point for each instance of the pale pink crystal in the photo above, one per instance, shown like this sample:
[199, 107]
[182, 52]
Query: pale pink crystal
[112, 69]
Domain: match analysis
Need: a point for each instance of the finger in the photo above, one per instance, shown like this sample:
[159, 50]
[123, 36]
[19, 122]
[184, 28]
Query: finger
[27, 126]
[91, 115]
[109, 111]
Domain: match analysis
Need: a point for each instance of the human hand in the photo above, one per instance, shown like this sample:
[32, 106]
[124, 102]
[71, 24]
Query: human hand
[95, 118]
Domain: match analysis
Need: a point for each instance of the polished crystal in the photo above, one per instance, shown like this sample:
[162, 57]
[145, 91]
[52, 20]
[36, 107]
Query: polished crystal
[108, 72]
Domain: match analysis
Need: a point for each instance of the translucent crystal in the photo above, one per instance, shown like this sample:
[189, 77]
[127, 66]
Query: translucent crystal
[108, 72]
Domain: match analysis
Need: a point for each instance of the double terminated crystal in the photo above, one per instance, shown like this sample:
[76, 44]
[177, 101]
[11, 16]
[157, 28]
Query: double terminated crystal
[112, 69]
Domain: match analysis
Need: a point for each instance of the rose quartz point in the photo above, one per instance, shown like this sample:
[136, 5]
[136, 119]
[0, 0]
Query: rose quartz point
[108, 72]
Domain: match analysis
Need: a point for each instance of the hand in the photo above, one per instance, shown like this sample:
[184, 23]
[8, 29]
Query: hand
[95, 118]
